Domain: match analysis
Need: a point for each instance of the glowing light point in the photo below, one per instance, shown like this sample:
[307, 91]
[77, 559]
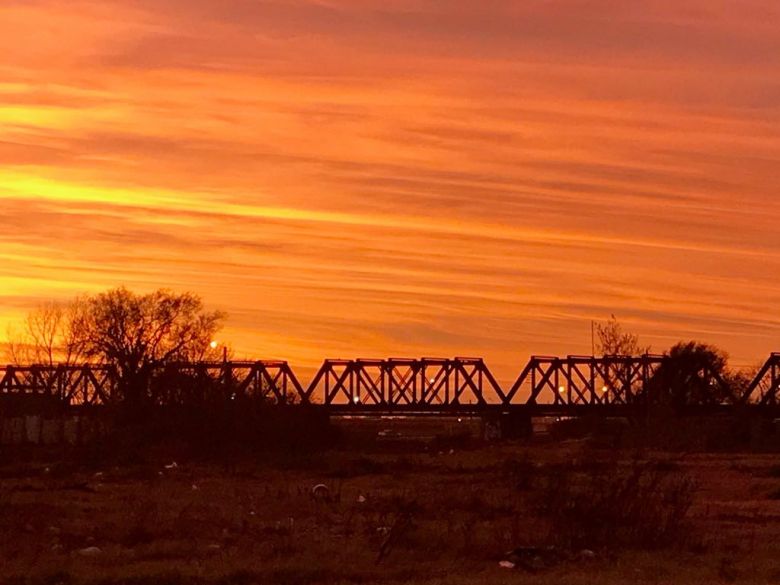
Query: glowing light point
[213, 345]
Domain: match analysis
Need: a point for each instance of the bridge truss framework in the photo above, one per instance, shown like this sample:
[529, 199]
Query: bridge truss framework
[572, 384]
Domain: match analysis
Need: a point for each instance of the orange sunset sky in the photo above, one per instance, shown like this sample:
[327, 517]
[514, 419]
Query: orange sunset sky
[356, 178]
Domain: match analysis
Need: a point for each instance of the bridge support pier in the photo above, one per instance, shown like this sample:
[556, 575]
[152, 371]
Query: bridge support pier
[506, 425]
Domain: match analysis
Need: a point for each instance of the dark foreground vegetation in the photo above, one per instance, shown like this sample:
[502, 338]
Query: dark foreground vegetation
[391, 502]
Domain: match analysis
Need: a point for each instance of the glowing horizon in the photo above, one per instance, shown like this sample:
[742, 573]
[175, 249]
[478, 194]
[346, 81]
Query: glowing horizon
[351, 179]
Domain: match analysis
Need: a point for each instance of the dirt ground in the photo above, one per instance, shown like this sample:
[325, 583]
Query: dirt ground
[392, 511]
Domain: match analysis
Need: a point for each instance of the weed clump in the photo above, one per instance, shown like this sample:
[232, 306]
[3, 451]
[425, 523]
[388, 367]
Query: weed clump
[644, 505]
[520, 473]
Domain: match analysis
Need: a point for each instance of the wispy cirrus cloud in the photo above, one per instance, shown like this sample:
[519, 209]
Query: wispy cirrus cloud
[347, 177]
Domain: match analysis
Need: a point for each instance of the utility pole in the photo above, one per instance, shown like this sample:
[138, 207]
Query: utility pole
[592, 337]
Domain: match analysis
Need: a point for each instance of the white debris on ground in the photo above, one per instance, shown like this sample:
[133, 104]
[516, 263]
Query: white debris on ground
[89, 552]
[320, 492]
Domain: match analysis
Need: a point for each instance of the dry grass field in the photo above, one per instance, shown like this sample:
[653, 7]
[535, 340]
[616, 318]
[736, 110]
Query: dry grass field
[397, 511]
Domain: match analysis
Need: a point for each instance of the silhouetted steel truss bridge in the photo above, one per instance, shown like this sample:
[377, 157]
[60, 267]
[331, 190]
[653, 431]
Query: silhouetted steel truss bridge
[547, 386]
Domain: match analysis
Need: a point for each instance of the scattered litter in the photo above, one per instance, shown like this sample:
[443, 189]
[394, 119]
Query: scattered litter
[194, 488]
[452, 451]
[172, 465]
[251, 512]
[361, 499]
[214, 547]
[383, 530]
[533, 558]
[98, 475]
[56, 547]
[46, 470]
[90, 551]
[159, 473]
[388, 433]
[320, 492]
[506, 565]
[586, 554]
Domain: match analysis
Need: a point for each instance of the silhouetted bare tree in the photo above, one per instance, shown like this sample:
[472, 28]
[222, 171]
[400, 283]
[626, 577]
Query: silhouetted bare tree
[140, 332]
[612, 339]
[46, 336]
